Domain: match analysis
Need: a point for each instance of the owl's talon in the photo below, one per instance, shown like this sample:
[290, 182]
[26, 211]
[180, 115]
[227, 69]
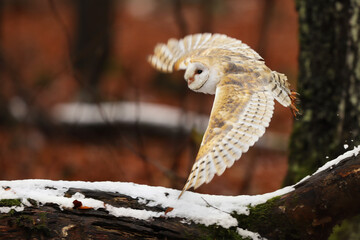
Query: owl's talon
[294, 101]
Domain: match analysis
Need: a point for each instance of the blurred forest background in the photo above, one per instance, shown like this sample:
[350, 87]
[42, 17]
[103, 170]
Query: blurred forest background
[87, 51]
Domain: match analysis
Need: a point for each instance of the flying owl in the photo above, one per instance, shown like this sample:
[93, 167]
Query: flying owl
[244, 88]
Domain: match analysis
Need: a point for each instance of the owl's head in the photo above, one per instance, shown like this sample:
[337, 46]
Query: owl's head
[201, 74]
[196, 75]
[201, 77]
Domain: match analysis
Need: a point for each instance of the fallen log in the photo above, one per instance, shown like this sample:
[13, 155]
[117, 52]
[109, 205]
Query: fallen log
[44, 209]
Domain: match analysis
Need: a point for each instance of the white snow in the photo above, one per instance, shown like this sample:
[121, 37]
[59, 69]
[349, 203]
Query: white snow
[8, 209]
[199, 208]
[347, 154]
[252, 235]
[335, 161]
[152, 114]
[346, 146]
[128, 212]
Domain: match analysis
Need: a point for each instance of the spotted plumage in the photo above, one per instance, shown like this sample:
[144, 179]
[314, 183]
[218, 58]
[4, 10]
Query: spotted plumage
[244, 88]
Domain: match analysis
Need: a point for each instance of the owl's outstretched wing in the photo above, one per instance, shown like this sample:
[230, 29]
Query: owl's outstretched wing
[168, 57]
[238, 118]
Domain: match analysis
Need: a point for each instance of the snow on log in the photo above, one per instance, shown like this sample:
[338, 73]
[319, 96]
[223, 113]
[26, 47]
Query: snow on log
[117, 210]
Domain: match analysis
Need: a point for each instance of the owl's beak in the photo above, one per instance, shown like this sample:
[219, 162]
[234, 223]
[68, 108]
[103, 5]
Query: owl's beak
[190, 80]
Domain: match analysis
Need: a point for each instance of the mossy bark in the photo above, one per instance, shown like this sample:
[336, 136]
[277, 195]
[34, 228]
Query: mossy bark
[313, 209]
[308, 212]
[328, 83]
[329, 87]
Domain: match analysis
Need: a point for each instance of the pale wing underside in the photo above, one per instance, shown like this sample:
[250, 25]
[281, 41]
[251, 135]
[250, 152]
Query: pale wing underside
[238, 118]
[166, 55]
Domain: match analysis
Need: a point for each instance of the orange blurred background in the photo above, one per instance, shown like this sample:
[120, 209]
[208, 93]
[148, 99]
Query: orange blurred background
[55, 52]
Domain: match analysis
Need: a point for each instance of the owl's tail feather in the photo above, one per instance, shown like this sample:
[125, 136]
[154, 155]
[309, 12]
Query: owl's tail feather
[279, 87]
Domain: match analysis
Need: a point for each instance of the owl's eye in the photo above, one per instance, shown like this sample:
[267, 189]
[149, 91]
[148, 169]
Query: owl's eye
[199, 71]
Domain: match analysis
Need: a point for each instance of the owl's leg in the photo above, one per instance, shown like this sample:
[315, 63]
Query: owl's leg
[294, 102]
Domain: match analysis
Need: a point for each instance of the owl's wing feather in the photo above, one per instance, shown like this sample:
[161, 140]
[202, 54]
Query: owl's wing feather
[238, 118]
[166, 56]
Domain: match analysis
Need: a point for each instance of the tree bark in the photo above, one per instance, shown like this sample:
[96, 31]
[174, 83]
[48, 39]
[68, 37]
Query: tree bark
[328, 83]
[309, 212]
[329, 87]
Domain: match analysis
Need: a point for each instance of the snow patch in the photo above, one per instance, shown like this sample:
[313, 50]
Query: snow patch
[245, 233]
[129, 113]
[330, 164]
[79, 196]
[8, 209]
[134, 213]
[199, 208]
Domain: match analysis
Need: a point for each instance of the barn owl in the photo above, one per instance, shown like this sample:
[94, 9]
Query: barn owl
[244, 88]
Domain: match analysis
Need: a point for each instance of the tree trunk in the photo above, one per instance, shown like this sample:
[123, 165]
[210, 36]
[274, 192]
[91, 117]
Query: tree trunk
[308, 212]
[92, 44]
[329, 87]
[329, 84]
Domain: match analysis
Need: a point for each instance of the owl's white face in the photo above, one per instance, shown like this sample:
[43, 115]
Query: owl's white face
[199, 78]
